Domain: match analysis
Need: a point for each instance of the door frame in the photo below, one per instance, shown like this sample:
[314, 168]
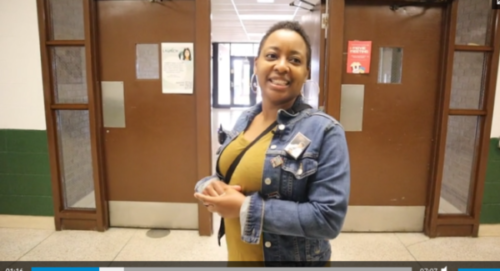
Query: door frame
[98, 218]
[435, 224]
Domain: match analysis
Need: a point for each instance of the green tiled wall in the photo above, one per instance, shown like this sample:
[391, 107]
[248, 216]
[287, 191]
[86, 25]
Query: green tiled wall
[25, 187]
[490, 211]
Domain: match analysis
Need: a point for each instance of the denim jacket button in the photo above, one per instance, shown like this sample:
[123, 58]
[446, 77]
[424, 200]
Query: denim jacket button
[281, 127]
[268, 244]
[267, 181]
[273, 147]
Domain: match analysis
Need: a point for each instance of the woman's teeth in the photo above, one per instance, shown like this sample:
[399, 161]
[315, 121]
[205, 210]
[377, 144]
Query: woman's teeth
[279, 82]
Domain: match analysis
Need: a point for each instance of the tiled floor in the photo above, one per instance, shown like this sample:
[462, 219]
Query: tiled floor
[135, 245]
[37, 240]
[34, 239]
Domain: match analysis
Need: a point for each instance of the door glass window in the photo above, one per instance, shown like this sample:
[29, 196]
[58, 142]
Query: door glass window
[69, 74]
[390, 65]
[66, 17]
[224, 88]
[459, 159]
[241, 81]
[469, 80]
[473, 22]
[73, 133]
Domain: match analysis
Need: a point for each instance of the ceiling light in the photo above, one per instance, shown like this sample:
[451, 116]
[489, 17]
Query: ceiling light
[261, 17]
[265, 1]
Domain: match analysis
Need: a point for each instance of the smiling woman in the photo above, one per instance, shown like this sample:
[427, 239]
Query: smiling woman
[283, 174]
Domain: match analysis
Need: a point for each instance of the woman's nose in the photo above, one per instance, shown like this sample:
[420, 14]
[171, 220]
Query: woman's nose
[281, 65]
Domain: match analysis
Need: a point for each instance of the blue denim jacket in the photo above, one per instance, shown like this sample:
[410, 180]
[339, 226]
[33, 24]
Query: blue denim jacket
[303, 202]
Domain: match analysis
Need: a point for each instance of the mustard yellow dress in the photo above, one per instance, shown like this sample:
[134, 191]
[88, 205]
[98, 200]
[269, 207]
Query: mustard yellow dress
[248, 174]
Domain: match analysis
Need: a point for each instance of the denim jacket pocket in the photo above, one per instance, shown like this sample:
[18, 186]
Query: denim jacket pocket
[317, 249]
[301, 168]
[294, 177]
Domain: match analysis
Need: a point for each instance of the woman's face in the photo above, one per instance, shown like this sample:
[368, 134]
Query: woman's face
[186, 53]
[281, 67]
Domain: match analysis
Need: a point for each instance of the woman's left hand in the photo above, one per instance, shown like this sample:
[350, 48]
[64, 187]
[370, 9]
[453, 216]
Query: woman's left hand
[227, 204]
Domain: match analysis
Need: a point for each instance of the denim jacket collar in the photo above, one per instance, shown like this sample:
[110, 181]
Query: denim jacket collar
[284, 116]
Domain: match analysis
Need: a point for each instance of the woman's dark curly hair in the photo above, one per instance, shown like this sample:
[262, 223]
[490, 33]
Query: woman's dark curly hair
[292, 26]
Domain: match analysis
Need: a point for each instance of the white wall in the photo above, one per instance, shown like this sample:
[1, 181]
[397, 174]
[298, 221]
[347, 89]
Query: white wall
[21, 90]
[495, 129]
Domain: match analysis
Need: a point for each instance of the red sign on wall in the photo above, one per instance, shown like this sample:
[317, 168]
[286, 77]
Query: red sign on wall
[359, 56]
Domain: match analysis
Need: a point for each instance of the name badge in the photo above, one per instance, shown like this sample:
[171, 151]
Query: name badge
[277, 161]
[297, 146]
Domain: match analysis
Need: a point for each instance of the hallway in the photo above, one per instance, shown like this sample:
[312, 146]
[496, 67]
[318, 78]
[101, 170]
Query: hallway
[38, 242]
[25, 238]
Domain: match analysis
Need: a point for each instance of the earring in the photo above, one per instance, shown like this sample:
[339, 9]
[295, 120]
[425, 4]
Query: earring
[253, 83]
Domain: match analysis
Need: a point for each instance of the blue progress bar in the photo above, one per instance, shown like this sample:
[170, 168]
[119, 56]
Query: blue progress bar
[66, 269]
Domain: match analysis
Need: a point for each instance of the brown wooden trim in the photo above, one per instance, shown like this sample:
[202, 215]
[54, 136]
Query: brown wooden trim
[454, 220]
[324, 86]
[42, 8]
[473, 48]
[102, 199]
[431, 219]
[78, 214]
[100, 120]
[467, 112]
[202, 92]
[70, 218]
[430, 202]
[69, 106]
[322, 59]
[78, 224]
[65, 43]
[335, 45]
[453, 230]
[90, 18]
[489, 96]
[466, 224]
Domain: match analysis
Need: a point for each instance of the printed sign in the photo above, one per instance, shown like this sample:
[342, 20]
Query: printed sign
[177, 73]
[359, 56]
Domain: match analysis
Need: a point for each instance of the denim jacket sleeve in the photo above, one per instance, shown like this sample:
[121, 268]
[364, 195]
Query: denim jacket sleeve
[322, 216]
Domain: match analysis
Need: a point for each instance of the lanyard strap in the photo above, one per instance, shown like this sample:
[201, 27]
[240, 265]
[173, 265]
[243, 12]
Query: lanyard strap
[237, 160]
[233, 166]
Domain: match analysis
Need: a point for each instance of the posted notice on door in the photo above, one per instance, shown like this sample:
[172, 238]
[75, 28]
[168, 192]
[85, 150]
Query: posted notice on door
[359, 56]
[177, 73]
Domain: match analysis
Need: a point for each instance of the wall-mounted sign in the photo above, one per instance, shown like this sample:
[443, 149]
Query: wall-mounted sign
[359, 56]
[177, 63]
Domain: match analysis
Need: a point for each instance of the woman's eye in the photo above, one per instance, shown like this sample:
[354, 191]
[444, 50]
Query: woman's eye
[296, 60]
[271, 55]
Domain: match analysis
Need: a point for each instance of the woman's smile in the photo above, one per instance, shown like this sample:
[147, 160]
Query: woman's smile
[278, 84]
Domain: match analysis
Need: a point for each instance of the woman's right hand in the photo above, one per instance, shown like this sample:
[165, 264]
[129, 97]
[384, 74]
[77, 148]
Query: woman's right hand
[216, 188]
